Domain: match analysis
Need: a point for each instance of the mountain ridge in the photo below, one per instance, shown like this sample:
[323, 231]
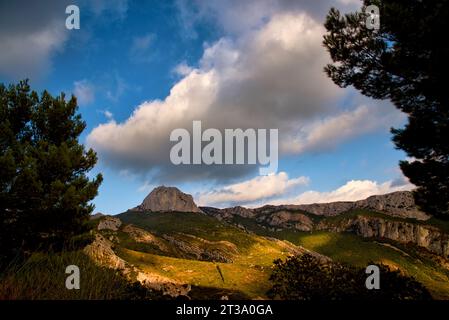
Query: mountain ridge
[397, 204]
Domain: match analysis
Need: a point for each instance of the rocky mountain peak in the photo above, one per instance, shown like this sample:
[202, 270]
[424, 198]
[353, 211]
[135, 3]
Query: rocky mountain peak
[165, 199]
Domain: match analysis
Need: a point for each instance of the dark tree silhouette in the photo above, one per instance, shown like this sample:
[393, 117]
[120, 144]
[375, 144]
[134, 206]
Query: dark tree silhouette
[44, 190]
[306, 277]
[405, 61]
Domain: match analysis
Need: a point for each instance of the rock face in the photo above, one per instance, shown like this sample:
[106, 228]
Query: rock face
[166, 199]
[395, 223]
[286, 219]
[428, 237]
[100, 250]
[109, 223]
[397, 204]
[202, 249]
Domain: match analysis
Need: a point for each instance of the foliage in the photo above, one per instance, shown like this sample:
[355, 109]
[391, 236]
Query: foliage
[307, 277]
[405, 61]
[42, 276]
[44, 188]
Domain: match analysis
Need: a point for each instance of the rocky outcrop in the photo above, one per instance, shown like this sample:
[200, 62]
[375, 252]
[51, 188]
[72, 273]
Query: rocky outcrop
[396, 204]
[287, 219]
[163, 284]
[391, 216]
[100, 251]
[426, 236]
[202, 249]
[109, 223]
[166, 199]
[142, 236]
[241, 211]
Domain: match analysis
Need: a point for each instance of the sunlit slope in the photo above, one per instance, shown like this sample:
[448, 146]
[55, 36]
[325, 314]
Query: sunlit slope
[352, 249]
[249, 256]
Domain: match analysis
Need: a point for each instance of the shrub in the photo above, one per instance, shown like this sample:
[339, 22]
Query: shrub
[306, 277]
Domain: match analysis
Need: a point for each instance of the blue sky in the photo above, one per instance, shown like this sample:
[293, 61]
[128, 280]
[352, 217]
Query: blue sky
[253, 64]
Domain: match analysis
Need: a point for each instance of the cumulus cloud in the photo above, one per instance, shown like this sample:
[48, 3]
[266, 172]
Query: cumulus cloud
[30, 33]
[269, 76]
[352, 190]
[276, 190]
[256, 189]
[182, 69]
[84, 91]
[329, 132]
[33, 32]
[262, 80]
[235, 16]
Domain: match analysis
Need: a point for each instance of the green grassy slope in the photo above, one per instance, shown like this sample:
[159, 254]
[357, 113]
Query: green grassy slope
[352, 249]
[247, 274]
[250, 269]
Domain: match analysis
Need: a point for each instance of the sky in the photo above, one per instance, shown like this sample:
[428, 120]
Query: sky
[141, 69]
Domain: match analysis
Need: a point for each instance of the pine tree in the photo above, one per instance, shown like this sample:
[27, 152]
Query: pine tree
[405, 61]
[45, 193]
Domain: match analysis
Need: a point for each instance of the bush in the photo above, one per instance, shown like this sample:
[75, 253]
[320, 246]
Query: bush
[306, 277]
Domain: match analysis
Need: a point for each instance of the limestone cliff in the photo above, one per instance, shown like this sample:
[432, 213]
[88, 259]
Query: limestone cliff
[422, 235]
[396, 204]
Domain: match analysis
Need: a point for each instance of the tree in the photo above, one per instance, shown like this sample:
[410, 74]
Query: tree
[45, 193]
[405, 61]
[306, 277]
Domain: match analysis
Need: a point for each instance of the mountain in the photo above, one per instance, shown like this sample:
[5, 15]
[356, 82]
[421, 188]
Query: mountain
[229, 253]
[397, 204]
[168, 199]
[391, 216]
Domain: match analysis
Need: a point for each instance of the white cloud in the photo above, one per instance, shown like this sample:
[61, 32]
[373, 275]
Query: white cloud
[351, 191]
[329, 132]
[182, 69]
[275, 190]
[270, 76]
[109, 115]
[84, 91]
[235, 16]
[27, 51]
[265, 79]
[256, 189]
[33, 32]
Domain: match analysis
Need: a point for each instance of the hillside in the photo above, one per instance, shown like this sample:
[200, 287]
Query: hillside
[228, 253]
[189, 254]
